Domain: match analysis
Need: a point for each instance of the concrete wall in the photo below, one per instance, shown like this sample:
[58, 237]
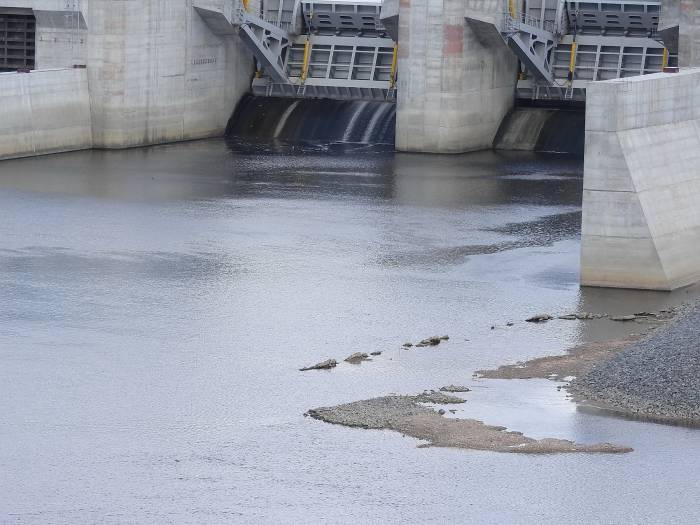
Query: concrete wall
[641, 199]
[61, 39]
[155, 73]
[453, 87]
[158, 74]
[44, 112]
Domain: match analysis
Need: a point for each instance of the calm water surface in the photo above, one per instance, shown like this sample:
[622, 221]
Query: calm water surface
[157, 303]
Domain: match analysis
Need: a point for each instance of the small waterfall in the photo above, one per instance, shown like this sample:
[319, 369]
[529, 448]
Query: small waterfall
[285, 116]
[376, 118]
[314, 120]
[390, 120]
[359, 108]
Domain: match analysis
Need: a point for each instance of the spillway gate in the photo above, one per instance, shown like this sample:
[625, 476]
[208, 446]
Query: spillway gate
[341, 49]
[332, 49]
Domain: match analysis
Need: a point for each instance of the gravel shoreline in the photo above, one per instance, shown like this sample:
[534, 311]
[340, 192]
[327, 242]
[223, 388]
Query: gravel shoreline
[656, 378]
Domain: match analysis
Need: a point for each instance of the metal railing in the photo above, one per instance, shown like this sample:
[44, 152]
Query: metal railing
[522, 21]
[287, 26]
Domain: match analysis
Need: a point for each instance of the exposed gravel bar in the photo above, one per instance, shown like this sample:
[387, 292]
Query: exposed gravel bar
[657, 377]
[408, 415]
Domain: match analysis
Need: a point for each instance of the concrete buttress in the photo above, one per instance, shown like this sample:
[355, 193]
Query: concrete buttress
[641, 197]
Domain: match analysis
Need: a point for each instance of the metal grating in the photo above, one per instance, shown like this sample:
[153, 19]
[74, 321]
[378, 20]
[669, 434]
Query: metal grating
[17, 40]
[343, 17]
[621, 17]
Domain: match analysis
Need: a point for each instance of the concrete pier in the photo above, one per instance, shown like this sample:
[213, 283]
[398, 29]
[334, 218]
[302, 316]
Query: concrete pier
[454, 89]
[641, 213]
[159, 74]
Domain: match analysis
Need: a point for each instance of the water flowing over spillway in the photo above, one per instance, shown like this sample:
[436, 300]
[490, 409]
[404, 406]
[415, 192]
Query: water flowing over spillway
[546, 130]
[314, 120]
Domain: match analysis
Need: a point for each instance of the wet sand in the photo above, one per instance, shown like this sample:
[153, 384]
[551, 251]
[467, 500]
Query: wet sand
[576, 362]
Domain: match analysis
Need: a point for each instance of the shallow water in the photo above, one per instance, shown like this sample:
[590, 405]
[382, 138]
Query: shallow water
[157, 303]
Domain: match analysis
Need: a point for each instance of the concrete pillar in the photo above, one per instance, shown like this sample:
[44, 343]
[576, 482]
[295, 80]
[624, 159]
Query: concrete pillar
[453, 88]
[641, 198]
[158, 74]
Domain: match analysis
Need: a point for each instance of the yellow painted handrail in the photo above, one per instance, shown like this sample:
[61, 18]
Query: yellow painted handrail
[572, 61]
[394, 61]
[307, 55]
[511, 9]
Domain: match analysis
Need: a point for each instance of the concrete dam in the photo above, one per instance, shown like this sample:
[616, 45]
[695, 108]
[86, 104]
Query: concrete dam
[458, 73]
[436, 76]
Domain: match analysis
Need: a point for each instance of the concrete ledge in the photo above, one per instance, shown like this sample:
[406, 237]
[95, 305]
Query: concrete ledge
[218, 14]
[641, 201]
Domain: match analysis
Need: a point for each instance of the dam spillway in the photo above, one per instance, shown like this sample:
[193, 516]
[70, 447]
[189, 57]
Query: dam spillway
[451, 96]
[314, 120]
[543, 130]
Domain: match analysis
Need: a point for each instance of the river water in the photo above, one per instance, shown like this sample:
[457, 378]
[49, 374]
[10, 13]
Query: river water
[157, 303]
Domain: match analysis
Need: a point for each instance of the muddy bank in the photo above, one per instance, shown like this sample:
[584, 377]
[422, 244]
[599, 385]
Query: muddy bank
[657, 377]
[575, 363]
[409, 416]
[581, 359]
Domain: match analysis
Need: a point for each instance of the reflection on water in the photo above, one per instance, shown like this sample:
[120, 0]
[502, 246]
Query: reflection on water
[157, 303]
[208, 169]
